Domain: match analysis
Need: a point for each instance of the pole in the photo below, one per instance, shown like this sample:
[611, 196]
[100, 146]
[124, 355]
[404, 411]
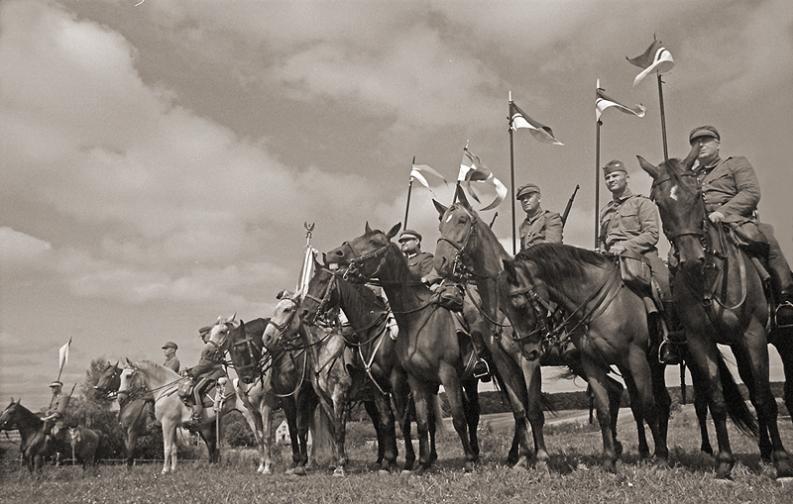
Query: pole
[597, 180]
[512, 186]
[410, 189]
[663, 116]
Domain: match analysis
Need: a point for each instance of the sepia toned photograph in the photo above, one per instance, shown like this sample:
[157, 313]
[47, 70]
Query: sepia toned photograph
[413, 251]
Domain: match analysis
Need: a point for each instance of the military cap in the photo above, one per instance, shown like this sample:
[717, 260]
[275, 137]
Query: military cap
[56, 383]
[614, 166]
[526, 189]
[703, 131]
[170, 344]
[409, 234]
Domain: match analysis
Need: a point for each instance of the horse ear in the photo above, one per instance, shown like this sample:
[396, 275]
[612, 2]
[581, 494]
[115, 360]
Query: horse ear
[366, 228]
[280, 294]
[317, 264]
[647, 166]
[394, 230]
[459, 193]
[232, 318]
[440, 208]
[693, 154]
[128, 362]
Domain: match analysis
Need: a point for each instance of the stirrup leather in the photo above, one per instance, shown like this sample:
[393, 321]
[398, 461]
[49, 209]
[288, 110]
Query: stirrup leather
[786, 321]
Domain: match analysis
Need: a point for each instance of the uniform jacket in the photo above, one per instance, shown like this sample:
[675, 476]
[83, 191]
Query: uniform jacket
[544, 227]
[731, 188]
[210, 362]
[420, 264]
[58, 403]
[631, 221]
[172, 364]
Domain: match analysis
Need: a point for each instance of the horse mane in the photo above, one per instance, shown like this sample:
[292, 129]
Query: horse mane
[559, 262]
[30, 417]
[358, 298]
[157, 371]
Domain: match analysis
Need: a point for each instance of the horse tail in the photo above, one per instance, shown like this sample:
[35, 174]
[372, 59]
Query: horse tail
[739, 412]
[321, 428]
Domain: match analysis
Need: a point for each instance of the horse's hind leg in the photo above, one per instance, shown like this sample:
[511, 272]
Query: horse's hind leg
[454, 393]
[700, 406]
[784, 345]
[387, 434]
[614, 389]
[472, 412]
[597, 381]
[421, 400]
[371, 411]
[639, 381]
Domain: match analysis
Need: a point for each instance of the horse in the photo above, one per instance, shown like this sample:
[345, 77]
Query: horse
[35, 445]
[86, 446]
[133, 416]
[720, 299]
[468, 251]
[428, 349]
[152, 381]
[376, 359]
[600, 319]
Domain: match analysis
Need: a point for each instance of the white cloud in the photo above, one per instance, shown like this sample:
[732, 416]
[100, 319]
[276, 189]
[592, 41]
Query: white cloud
[17, 248]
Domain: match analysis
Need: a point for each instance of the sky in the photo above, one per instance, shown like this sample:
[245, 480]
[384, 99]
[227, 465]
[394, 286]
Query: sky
[159, 161]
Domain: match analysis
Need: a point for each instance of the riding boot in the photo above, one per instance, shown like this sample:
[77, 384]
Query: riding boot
[198, 410]
[669, 351]
[783, 315]
[481, 368]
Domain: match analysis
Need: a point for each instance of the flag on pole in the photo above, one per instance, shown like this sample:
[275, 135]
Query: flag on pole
[418, 173]
[306, 272]
[603, 102]
[63, 355]
[655, 58]
[520, 119]
[473, 171]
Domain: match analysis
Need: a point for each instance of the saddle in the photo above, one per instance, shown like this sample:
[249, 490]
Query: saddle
[450, 296]
[187, 386]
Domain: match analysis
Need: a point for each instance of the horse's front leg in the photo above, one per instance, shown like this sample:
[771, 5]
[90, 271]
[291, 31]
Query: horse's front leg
[340, 401]
[401, 400]
[421, 401]
[385, 419]
[597, 378]
[532, 378]
[266, 411]
[454, 393]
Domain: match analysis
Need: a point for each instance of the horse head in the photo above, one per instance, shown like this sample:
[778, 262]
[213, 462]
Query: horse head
[284, 323]
[363, 255]
[109, 380]
[128, 381]
[319, 296]
[678, 195]
[8, 417]
[524, 308]
[75, 435]
[219, 333]
[458, 229]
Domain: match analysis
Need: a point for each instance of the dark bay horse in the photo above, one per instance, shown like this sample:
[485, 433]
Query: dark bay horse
[35, 444]
[87, 445]
[720, 299]
[469, 251]
[605, 320]
[133, 416]
[428, 349]
[374, 349]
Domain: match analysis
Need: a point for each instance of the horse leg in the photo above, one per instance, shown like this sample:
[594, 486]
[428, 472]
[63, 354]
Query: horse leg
[663, 403]
[764, 401]
[533, 380]
[387, 437]
[432, 423]
[421, 401]
[614, 389]
[266, 412]
[131, 441]
[371, 410]
[290, 412]
[639, 379]
[340, 399]
[167, 444]
[306, 406]
[254, 422]
[784, 346]
[705, 356]
[598, 382]
[454, 393]
[472, 413]
[745, 372]
[700, 406]
[401, 401]
[514, 386]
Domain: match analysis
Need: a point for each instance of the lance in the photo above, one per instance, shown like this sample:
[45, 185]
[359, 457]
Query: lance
[663, 114]
[597, 179]
[511, 173]
[410, 189]
[569, 205]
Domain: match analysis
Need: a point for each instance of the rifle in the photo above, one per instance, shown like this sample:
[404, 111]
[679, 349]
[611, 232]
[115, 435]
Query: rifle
[569, 205]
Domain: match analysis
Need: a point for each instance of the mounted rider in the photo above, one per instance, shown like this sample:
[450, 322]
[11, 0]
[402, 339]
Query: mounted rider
[539, 226]
[208, 370]
[731, 193]
[629, 230]
[57, 409]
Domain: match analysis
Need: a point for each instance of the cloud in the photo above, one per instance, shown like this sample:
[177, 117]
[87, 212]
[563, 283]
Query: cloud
[19, 249]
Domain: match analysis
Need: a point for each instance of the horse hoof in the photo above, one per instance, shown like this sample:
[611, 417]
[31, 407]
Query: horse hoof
[785, 480]
[383, 472]
[339, 472]
[617, 448]
[610, 467]
[469, 466]
[521, 463]
[723, 471]
[267, 471]
[290, 471]
[783, 469]
[661, 462]
[300, 471]
[542, 467]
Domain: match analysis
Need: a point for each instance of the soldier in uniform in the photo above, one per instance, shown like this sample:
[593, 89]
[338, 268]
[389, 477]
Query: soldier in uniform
[208, 369]
[731, 193]
[58, 404]
[539, 226]
[629, 226]
[420, 263]
[171, 362]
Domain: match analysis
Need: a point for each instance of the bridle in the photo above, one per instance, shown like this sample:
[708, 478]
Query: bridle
[356, 266]
[322, 302]
[282, 328]
[459, 269]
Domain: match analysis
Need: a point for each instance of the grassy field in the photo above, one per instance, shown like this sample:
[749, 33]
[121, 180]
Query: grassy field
[574, 477]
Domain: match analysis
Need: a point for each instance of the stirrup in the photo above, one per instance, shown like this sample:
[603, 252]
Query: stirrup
[670, 347]
[786, 322]
[482, 374]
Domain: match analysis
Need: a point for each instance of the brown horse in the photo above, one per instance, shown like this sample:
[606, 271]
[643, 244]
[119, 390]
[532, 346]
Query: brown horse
[134, 416]
[35, 444]
[721, 300]
[601, 320]
[374, 349]
[428, 349]
[468, 251]
[87, 445]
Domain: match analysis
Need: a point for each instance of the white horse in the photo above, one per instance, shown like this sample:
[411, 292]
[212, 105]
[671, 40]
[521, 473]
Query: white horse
[150, 380]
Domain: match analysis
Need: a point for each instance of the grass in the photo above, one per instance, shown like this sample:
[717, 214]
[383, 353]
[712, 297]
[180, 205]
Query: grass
[574, 476]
